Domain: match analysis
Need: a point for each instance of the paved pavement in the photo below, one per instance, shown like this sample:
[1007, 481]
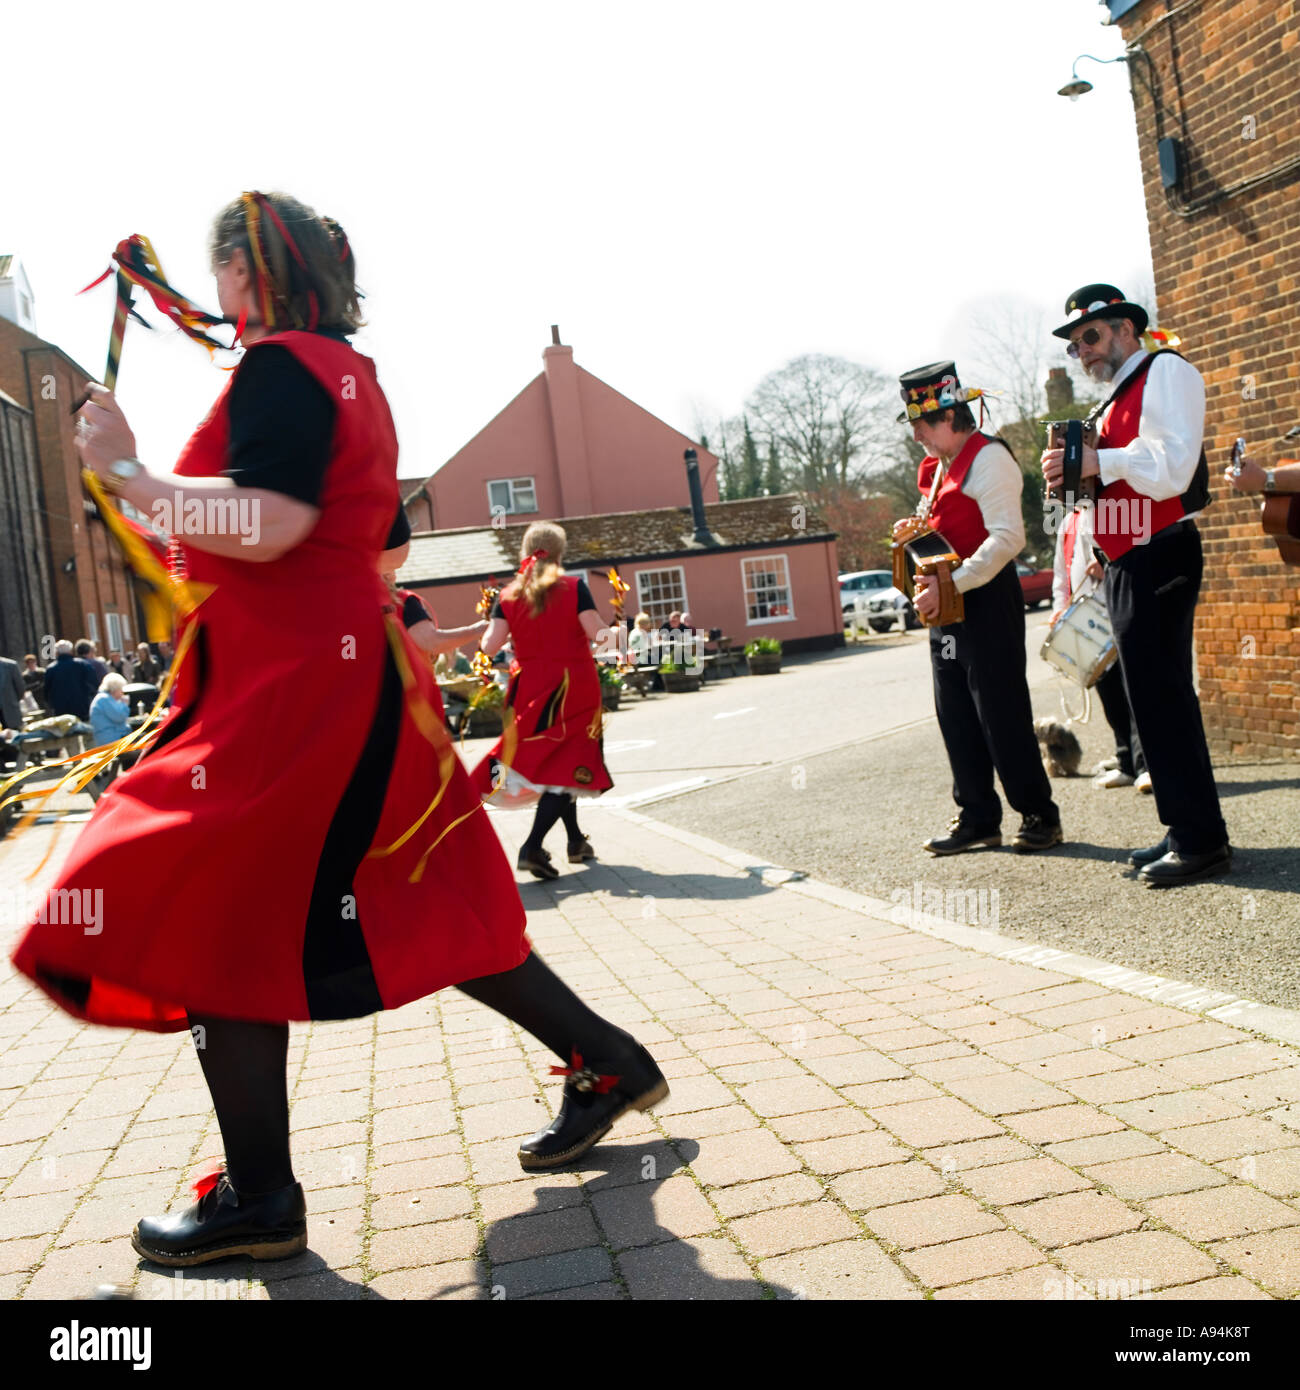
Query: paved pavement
[861, 1109]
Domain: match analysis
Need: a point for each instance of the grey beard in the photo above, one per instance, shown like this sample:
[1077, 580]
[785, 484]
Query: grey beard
[1104, 371]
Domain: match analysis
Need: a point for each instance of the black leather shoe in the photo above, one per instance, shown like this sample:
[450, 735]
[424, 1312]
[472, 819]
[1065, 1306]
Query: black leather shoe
[1141, 857]
[538, 863]
[269, 1226]
[580, 851]
[1172, 869]
[1035, 833]
[961, 837]
[594, 1097]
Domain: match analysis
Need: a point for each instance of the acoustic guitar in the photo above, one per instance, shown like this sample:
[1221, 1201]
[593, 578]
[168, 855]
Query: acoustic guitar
[1281, 512]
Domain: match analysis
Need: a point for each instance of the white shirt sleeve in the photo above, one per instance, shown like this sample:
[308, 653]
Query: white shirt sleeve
[995, 482]
[1160, 460]
[1060, 580]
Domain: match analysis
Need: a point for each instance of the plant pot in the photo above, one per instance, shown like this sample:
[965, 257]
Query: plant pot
[764, 663]
[609, 698]
[680, 680]
[483, 723]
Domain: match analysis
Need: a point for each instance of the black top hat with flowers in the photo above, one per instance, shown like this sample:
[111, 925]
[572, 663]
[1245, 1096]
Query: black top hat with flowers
[1101, 302]
[926, 390]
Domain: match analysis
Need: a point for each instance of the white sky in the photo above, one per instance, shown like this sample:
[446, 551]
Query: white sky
[694, 191]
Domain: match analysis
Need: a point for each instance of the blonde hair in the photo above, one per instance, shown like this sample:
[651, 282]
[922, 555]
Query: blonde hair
[644, 620]
[544, 573]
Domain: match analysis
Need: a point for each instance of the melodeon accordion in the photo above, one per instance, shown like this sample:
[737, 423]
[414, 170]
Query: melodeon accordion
[917, 548]
[1070, 436]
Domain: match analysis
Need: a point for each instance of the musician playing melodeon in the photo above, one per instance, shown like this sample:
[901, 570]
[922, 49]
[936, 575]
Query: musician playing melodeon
[970, 493]
[1077, 571]
[1153, 479]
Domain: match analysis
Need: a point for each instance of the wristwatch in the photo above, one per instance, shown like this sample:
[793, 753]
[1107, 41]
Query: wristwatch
[120, 472]
[1270, 483]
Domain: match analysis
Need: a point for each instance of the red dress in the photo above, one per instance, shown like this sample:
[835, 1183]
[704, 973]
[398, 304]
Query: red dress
[555, 700]
[272, 856]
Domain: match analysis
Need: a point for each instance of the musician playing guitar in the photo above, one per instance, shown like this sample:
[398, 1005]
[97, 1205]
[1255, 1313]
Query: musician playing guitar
[1281, 510]
[971, 485]
[1154, 479]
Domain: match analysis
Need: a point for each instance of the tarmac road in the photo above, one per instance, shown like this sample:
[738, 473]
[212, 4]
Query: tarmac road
[835, 768]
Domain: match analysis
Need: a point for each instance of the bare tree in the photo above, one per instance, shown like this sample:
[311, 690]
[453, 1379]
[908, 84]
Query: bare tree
[830, 420]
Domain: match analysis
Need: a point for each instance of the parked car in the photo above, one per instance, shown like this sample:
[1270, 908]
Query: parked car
[885, 604]
[1036, 585]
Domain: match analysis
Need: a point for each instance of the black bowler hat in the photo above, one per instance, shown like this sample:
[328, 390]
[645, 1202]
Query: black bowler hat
[926, 390]
[1101, 302]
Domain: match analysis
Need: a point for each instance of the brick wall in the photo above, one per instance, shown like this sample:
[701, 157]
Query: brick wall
[1227, 74]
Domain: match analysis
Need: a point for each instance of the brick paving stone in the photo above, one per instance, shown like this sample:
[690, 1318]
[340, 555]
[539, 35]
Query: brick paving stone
[1158, 1175]
[507, 1119]
[1007, 1094]
[754, 1153]
[58, 1174]
[410, 1247]
[75, 1272]
[454, 1280]
[589, 1293]
[828, 1045]
[924, 1123]
[413, 1122]
[1059, 1123]
[931, 1221]
[960, 1068]
[1260, 1092]
[977, 1153]
[1030, 1048]
[829, 1156]
[31, 1216]
[1172, 1110]
[695, 1093]
[1065, 1066]
[1073, 1217]
[1231, 1138]
[889, 1186]
[413, 1208]
[419, 1175]
[793, 1096]
[792, 1228]
[1177, 1042]
[1226, 1063]
[1050, 997]
[878, 1093]
[746, 1198]
[19, 1255]
[976, 1257]
[705, 1268]
[547, 1233]
[855, 1068]
[1105, 1148]
[431, 1146]
[1221, 1212]
[984, 1035]
[329, 1137]
[1146, 1256]
[1025, 1285]
[704, 1124]
[1226, 1287]
[526, 1197]
[331, 1167]
[1030, 1178]
[1112, 1087]
[1277, 1172]
[848, 1270]
[908, 1056]
[821, 1124]
[646, 1213]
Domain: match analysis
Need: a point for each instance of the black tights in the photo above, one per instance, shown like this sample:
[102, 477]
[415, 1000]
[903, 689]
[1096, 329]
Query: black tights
[551, 807]
[244, 1063]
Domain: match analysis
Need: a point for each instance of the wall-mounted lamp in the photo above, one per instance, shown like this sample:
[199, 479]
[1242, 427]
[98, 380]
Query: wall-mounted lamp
[1078, 86]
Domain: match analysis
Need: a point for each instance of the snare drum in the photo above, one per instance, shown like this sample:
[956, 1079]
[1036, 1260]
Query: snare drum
[1082, 645]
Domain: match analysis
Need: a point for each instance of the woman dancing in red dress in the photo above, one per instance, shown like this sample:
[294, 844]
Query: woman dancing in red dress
[551, 620]
[305, 841]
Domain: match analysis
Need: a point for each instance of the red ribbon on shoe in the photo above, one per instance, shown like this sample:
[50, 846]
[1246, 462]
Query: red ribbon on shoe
[584, 1078]
[207, 1182]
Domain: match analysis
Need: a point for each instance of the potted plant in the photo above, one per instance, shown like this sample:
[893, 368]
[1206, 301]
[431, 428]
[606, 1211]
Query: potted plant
[484, 715]
[675, 678]
[611, 686]
[763, 656]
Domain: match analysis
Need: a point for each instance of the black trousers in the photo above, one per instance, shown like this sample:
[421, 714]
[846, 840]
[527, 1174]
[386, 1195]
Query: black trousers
[1151, 593]
[1114, 704]
[982, 700]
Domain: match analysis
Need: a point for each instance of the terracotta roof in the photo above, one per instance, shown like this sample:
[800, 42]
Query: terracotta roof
[622, 537]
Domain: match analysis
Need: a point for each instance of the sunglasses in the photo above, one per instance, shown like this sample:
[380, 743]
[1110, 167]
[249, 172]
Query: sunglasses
[1091, 336]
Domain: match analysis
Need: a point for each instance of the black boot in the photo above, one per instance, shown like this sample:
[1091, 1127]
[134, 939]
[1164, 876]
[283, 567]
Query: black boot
[1173, 868]
[537, 862]
[594, 1097]
[268, 1226]
[580, 851]
[1141, 857]
[1037, 832]
[963, 836]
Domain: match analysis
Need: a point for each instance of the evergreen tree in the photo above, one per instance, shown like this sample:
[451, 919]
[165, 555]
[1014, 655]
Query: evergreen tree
[773, 477]
[751, 469]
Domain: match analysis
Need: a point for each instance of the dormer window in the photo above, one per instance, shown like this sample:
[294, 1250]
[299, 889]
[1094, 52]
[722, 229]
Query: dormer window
[508, 496]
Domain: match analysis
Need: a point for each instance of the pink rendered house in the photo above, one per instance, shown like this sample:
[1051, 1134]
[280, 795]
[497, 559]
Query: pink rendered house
[567, 445]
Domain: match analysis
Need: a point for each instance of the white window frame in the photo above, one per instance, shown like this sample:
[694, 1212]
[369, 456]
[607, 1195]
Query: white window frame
[113, 628]
[92, 628]
[746, 590]
[643, 604]
[510, 484]
[126, 631]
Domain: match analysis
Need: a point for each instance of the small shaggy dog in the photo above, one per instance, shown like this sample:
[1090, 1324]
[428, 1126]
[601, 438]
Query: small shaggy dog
[1061, 751]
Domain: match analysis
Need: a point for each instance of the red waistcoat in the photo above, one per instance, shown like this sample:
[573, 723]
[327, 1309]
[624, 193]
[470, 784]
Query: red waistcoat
[952, 512]
[1124, 517]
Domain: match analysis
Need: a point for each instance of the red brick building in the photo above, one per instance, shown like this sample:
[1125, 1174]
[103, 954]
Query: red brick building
[1216, 87]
